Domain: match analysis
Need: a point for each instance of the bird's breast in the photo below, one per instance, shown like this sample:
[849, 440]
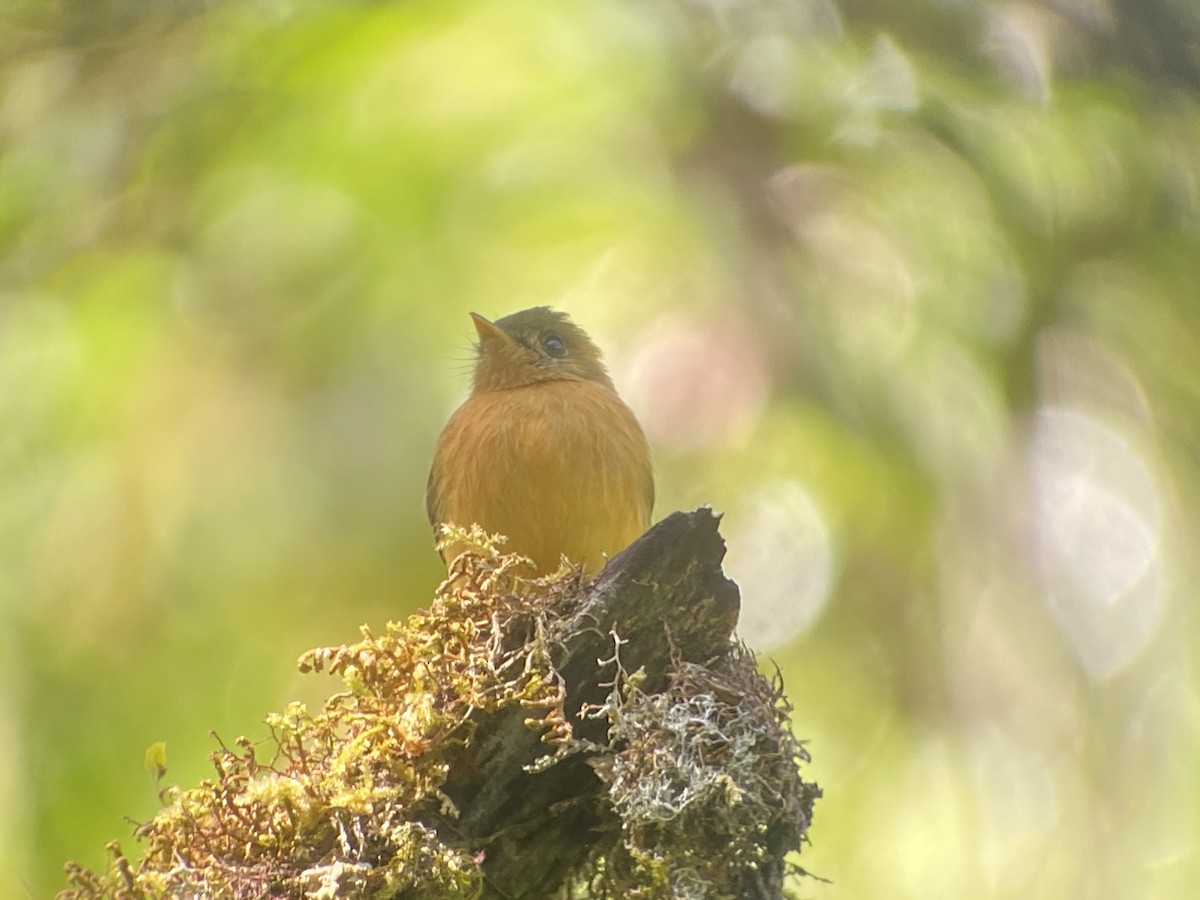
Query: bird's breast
[561, 468]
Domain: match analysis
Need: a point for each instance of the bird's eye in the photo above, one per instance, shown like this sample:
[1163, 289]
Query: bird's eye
[554, 345]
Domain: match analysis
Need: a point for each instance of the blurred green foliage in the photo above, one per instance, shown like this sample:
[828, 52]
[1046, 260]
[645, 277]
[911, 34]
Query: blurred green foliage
[908, 289]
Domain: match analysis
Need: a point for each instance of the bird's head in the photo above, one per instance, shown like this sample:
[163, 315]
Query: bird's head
[534, 345]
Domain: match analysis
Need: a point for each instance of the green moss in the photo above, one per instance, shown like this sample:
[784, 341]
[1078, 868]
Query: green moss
[336, 808]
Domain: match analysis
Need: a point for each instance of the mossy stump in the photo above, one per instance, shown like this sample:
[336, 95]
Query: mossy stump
[523, 738]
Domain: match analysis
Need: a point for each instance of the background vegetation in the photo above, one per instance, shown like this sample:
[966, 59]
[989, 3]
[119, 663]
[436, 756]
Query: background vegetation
[908, 289]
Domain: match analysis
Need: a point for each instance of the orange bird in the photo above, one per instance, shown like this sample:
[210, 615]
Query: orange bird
[543, 450]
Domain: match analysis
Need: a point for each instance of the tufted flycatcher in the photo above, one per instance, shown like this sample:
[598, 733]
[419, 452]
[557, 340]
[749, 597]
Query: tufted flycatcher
[543, 450]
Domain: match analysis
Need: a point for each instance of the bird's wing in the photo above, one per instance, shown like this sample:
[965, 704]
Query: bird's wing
[433, 497]
[431, 504]
[648, 486]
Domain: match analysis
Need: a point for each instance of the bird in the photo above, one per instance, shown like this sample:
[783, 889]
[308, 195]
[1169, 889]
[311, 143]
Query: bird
[543, 450]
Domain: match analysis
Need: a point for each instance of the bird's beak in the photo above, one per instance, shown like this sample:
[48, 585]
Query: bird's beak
[490, 335]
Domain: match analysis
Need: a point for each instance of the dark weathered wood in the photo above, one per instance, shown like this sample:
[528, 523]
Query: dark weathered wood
[664, 594]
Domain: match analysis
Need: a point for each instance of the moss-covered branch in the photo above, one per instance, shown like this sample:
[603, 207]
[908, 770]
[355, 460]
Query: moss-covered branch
[522, 738]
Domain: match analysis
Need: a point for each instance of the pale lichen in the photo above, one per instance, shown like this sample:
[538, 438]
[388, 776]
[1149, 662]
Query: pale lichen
[704, 779]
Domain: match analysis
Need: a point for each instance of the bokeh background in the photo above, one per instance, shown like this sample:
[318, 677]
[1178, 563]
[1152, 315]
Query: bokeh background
[908, 289]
